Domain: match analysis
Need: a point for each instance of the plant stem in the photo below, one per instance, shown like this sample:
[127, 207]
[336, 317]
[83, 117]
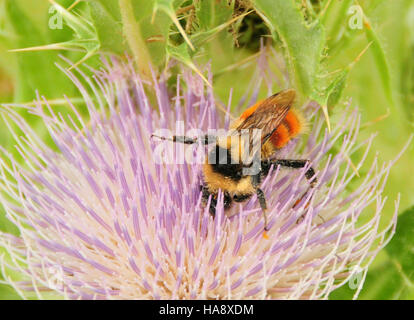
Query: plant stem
[132, 32]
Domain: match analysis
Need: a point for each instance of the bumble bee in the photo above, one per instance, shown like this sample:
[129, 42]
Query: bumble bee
[224, 168]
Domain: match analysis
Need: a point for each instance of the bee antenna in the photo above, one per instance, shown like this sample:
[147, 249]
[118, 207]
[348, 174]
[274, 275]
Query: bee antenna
[161, 138]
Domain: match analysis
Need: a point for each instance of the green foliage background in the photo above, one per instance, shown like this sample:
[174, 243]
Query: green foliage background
[314, 37]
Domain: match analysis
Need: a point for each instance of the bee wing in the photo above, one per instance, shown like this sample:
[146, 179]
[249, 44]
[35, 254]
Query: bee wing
[269, 114]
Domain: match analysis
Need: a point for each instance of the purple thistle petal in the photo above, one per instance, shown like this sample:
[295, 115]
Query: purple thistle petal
[100, 219]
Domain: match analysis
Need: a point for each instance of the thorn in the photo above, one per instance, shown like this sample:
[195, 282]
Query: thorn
[324, 9]
[180, 29]
[185, 9]
[265, 235]
[354, 168]
[156, 38]
[360, 55]
[154, 12]
[86, 57]
[326, 114]
[54, 46]
[238, 64]
[73, 5]
[228, 23]
[378, 119]
[51, 102]
[224, 110]
[192, 66]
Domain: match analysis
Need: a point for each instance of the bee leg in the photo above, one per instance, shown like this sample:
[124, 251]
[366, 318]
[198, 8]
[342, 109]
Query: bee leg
[295, 164]
[205, 197]
[204, 140]
[212, 208]
[227, 200]
[241, 197]
[262, 202]
[310, 176]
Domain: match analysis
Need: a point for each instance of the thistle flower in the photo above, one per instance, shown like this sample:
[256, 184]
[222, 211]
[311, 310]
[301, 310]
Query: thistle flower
[100, 219]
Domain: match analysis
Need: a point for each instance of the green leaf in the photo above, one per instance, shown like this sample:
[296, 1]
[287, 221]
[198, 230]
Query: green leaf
[397, 272]
[331, 95]
[154, 30]
[35, 70]
[211, 14]
[82, 28]
[8, 293]
[181, 54]
[335, 89]
[401, 247]
[303, 43]
[85, 35]
[380, 59]
[112, 8]
[388, 286]
[202, 37]
[336, 22]
[108, 29]
[56, 35]
[168, 7]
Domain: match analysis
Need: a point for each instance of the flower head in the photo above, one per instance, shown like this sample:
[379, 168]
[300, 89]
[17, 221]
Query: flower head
[99, 218]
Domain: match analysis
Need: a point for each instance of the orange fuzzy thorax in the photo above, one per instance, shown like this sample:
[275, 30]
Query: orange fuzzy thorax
[290, 127]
